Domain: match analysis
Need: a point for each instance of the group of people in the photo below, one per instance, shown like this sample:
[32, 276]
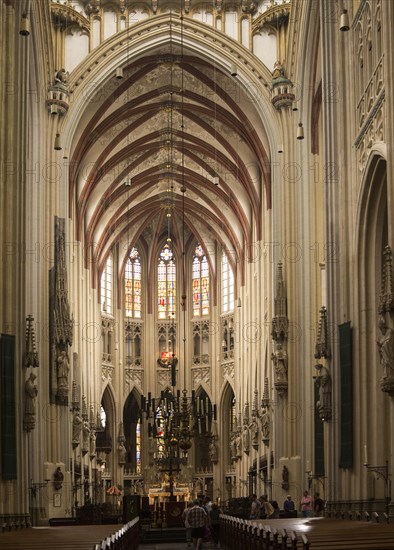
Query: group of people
[262, 508]
[201, 519]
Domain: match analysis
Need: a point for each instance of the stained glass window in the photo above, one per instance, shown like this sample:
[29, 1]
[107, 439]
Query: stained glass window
[200, 282]
[166, 284]
[132, 281]
[106, 287]
[138, 448]
[227, 285]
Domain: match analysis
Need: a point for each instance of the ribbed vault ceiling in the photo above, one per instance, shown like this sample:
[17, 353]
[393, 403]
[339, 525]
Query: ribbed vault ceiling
[169, 127]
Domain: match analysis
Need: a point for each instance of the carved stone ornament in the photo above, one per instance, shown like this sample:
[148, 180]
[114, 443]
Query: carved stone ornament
[62, 320]
[386, 341]
[322, 347]
[31, 355]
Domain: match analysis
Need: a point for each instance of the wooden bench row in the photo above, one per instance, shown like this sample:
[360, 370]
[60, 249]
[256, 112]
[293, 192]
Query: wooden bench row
[305, 534]
[123, 539]
[81, 537]
[359, 516]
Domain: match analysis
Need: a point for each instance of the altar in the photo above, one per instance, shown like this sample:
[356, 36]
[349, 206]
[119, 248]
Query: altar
[160, 493]
[167, 506]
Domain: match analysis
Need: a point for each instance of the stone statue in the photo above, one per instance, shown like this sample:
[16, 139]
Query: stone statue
[324, 381]
[265, 424]
[279, 358]
[122, 454]
[92, 451]
[254, 432]
[285, 478]
[58, 479]
[278, 70]
[386, 348]
[85, 436]
[238, 443]
[213, 451]
[31, 391]
[246, 439]
[61, 77]
[233, 446]
[77, 428]
[63, 368]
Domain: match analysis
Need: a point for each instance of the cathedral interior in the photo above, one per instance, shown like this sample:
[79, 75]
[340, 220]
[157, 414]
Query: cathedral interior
[196, 253]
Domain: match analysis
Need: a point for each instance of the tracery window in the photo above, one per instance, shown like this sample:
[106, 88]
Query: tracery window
[227, 285]
[106, 287]
[138, 448]
[200, 282]
[132, 281]
[166, 283]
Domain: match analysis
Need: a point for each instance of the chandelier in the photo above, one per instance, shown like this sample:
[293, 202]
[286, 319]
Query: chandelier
[176, 418]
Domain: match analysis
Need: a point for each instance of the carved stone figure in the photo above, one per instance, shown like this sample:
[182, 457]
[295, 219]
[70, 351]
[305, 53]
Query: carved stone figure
[238, 443]
[246, 439]
[63, 369]
[324, 380]
[31, 391]
[233, 446]
[254, 433]
[122, 454]
[61, 77]
[285, 478]
[92, 451]
[386, 348]
[213, 452]
[77, 428]
[278, 70]
[58, 477]
[265, 424]
[279, 358]
[85, 436]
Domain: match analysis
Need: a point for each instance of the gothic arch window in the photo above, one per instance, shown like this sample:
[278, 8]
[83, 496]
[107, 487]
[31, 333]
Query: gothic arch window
[166, 284]
[132, 285]
[200, 282]
[106, 287]
[138, 447]
[227, 285]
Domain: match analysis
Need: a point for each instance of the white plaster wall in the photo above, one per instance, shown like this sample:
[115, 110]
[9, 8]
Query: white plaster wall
[76, 48]
[231, 24]
[110, 23]
[204, 16]
[264, 47]
[245, 30]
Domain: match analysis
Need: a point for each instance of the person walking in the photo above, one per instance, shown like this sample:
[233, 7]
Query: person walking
[214, 516]
[306, 505]
[187, 524]
[198, 519]
[255, 508]
[318, 505]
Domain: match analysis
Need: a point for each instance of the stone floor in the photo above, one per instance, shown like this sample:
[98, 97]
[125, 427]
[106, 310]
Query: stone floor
[175, 546]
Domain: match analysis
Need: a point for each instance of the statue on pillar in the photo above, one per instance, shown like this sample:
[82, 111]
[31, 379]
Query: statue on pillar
[77, 428]
[31, 391]
[323, 379]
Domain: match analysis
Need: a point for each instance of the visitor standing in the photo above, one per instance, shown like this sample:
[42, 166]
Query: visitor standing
[198, 519]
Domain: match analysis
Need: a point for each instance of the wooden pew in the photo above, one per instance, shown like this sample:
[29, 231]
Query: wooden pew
[312, 533]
